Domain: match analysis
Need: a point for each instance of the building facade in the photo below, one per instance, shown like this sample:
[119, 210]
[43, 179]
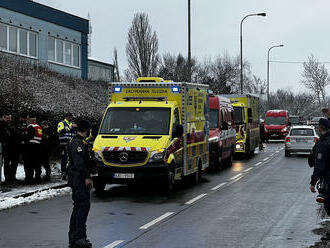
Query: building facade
[100, 71]
[45, 35]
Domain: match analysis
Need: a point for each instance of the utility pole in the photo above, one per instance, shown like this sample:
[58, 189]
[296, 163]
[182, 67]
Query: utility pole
[189, 42]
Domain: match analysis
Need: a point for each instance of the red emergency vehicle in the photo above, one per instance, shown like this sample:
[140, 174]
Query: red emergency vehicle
[277, 124]
[222, 133]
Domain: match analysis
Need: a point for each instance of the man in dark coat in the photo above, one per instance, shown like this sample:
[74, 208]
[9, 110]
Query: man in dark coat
[321, 159]
[11, 143]
[79, 179]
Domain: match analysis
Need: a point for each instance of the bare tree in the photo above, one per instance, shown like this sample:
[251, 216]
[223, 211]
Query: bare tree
[142, 48]
[222, 74]
[316, 79]
[115, 63]
[176, 68]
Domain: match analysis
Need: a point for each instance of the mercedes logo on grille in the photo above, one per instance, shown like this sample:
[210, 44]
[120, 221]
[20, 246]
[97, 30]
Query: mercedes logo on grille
[123, 157]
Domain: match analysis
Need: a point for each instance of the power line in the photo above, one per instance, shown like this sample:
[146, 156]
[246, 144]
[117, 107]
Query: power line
[294, 62]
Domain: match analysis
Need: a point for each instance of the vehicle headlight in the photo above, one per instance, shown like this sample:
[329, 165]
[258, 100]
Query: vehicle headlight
[284, 129]
[239, 146]
[214, 139]
[97, 155]
[266, 129]
[157, 155]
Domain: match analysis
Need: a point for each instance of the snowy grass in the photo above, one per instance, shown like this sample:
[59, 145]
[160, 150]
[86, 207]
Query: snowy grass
[10, 202]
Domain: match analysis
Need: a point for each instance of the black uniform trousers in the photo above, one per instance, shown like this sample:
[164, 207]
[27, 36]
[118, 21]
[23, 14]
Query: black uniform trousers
[33, 163]
[64, 157]
[10, 159]
[81, 206]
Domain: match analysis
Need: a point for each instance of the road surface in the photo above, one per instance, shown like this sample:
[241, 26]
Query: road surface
[261, 202]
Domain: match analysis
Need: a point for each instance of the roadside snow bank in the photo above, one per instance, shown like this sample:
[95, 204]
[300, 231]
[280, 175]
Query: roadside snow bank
[10, 202]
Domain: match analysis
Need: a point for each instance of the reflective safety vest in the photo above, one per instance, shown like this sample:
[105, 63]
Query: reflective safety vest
[36, 139]
[64, 128]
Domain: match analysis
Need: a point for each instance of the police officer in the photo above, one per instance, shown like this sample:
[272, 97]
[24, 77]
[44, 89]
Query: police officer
[79, 179]
[65, 131]
[321, 160]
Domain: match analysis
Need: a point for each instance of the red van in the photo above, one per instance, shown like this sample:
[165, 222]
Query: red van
[276, 124]
[222, 133]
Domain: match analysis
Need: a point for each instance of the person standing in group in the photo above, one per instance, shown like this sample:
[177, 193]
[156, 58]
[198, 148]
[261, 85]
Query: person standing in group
[33, 156]
[22, 129]
[46, 149]
[66, 131]
[10, 141]
[79, 179]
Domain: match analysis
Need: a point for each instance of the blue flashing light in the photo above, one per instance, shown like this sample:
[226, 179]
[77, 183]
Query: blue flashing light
[117, 89]
[175, 89]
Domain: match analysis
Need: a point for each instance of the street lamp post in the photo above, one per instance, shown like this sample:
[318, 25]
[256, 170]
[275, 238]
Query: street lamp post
[189, 42]
[241, 45]
[268, 69]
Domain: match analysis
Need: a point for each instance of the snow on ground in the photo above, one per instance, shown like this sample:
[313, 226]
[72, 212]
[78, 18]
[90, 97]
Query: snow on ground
[10, 202]
[12, 195]
[20, 174]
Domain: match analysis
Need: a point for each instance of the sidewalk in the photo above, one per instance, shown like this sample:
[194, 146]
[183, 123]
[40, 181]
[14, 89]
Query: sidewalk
[19, 193]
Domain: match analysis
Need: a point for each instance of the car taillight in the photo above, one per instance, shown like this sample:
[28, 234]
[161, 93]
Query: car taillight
[287, 139]
[316, 139]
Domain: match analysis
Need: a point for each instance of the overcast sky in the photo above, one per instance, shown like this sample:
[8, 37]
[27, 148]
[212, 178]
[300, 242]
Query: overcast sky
[301, 25]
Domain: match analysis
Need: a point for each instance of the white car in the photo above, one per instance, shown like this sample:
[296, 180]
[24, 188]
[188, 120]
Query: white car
[300, 139]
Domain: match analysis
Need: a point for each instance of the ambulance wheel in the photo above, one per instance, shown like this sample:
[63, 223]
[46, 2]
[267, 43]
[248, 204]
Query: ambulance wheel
[99, 186]
[198, 174]
[170, 181]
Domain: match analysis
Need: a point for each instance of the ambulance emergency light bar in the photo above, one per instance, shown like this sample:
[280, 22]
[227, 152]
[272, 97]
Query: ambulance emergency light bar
[174, 89]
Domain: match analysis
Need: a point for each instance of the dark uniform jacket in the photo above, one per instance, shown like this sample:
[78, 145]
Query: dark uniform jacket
[321, 154]
[79, 167]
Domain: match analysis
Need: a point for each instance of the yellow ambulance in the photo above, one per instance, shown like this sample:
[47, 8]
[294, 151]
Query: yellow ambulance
[246, 111]
[152, 130]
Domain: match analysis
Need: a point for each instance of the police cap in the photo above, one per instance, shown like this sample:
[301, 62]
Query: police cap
[83, 125]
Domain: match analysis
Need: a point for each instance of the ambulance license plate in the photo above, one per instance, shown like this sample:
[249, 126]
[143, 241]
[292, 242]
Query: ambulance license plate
[124, 175]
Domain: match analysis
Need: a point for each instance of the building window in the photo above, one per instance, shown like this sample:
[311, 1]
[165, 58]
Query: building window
[32, 44]
[76, 55]
[63, 52]
[59, 51]
[67, 53]
[13, 39]
[51, 49]
[23, 42]
[3, 37]
[18, 41]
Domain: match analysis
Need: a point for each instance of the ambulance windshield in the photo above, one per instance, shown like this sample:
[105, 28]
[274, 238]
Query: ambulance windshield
[138, 121]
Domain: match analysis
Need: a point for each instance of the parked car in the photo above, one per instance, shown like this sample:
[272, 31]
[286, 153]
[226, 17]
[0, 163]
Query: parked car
[300, 139]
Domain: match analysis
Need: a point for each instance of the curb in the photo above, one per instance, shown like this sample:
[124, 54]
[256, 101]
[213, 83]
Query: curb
[41, 189]
[27, 194]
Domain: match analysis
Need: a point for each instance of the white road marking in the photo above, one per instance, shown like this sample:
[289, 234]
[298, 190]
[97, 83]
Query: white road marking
[248, 169]
[195, 199]
[265, 159]
[277, 151]
[258, 163]
[218, 186]
[233, 178]
[237, 179]
[155, 221]
[114, 244]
